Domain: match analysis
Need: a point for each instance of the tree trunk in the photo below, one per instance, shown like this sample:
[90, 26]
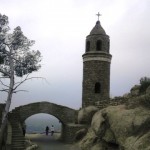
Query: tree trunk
[8, 102]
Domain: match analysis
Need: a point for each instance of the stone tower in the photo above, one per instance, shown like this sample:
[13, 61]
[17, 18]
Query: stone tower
[96, 67]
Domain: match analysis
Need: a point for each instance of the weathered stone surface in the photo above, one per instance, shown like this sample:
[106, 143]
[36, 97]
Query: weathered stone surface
[96, 66]
[66, 115]
[85, 114]
[69, 131]
[80, 134]
[140, 101]
[95, 71]
[98, 146]
[138, 142]
[109, 136]
[30, 145]
[117, 127]
[97, 124]
[88, 141]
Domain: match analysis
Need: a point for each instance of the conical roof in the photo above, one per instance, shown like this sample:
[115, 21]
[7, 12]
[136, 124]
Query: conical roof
[98, 29]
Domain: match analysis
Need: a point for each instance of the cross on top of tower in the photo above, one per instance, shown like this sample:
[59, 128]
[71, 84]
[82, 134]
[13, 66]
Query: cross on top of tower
[98, 15]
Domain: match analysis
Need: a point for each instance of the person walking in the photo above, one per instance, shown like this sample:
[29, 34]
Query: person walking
[52, 130]
[47, 130]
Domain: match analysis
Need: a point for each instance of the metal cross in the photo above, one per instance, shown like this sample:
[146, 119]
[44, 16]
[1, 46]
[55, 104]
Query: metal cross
[98, 15]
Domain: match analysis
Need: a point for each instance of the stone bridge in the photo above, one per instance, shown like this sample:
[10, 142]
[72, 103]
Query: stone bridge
[64, 114]
[17, 117]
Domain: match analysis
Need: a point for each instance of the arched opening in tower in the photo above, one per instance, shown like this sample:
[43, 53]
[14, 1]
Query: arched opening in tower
[108, 46]
[87, 46]
[97, 87]
[99, 45]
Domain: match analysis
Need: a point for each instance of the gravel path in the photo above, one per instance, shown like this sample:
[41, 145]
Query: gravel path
[50, 142]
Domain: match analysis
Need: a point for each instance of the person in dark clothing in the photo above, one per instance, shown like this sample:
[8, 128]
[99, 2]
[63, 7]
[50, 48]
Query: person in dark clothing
[24, 131]
[47, 130]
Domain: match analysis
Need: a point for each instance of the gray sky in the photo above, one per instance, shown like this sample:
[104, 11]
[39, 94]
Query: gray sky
[60, 27]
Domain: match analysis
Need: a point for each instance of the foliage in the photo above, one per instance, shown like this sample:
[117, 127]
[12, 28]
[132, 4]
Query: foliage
[16, 46]
[145, 83]
[16, 60]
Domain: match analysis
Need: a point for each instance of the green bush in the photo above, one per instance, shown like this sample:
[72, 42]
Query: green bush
[145, 83]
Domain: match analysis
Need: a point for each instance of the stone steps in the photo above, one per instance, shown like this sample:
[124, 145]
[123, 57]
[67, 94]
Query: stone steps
[18, 148]
[18, 141]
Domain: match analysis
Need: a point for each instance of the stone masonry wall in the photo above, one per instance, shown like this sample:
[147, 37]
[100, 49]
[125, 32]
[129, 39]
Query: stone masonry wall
[69, 131]
[111, 102]
[64, 114]
[95, 71]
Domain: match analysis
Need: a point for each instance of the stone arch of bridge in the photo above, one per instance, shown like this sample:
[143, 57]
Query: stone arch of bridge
[66, 115]
[63, 113]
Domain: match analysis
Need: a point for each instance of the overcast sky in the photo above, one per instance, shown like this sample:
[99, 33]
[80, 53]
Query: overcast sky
[60, 27]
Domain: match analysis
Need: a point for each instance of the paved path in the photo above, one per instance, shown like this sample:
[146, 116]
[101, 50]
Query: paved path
[49, 143]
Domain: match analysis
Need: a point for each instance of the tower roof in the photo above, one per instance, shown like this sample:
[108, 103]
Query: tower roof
[98, 29]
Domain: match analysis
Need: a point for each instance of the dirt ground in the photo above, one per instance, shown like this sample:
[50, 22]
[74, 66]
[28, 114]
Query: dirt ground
[50, 142]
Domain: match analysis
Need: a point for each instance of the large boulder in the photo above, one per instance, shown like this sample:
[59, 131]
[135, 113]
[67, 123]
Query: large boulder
[80, 134]
[117, 127]
[88, 141]
[85, 114]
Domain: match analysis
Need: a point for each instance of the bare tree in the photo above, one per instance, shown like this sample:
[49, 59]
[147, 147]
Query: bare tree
[16, 60]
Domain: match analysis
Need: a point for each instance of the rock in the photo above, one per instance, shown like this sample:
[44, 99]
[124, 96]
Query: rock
[98, 146]
[80, 134]
[85, 114]
[87, 142]
[30, 145]
[97, 124]
[117, 127]
[138, 142]
[140, 101]
[109, 136]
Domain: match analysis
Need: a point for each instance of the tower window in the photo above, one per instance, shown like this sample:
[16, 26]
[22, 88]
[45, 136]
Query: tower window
[97, 87]
[108, 46]
[99, 45]
[87, 46]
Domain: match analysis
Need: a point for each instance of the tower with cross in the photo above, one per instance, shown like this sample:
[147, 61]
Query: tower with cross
[96, 67]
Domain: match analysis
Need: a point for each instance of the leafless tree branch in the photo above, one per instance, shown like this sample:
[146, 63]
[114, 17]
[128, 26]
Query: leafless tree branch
[20, 91]
[3, 83]
[4, 90]
[19, 83]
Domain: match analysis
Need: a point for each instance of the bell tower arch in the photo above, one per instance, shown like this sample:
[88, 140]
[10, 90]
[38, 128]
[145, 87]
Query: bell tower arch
[96, 66]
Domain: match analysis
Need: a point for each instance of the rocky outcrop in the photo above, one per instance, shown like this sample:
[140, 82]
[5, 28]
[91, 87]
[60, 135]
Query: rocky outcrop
[85, 114]
[80, 134]
[122, 127]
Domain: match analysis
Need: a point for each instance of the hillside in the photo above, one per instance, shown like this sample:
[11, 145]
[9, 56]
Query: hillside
[125, 126]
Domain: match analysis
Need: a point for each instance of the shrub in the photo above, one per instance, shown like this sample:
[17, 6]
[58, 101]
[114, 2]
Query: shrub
[145, 83]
